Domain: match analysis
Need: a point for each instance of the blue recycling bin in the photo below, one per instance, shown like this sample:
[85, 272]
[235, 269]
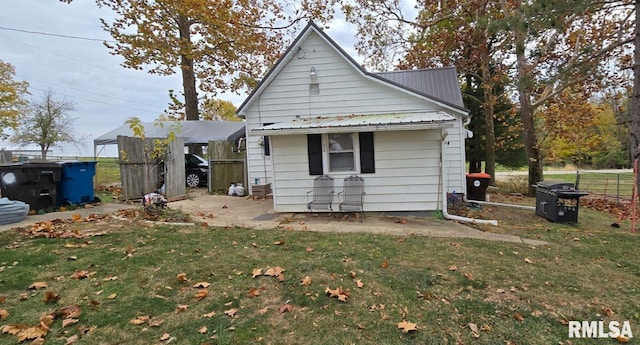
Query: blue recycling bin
[76, 184]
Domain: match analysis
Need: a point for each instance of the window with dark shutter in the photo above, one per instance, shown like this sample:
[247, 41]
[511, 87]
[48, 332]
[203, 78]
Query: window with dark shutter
[314, 150]
[367, 159]
[265, 140]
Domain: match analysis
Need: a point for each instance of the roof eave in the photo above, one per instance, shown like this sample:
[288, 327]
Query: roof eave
[348, 129]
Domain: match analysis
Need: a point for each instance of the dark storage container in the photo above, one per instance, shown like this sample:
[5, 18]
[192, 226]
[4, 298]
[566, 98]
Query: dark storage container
[558, 201]
[34, 183]
[477, 184]
[76, 184]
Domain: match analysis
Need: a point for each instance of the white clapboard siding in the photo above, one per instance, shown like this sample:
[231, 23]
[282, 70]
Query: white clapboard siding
[408, 170]
[398, 184]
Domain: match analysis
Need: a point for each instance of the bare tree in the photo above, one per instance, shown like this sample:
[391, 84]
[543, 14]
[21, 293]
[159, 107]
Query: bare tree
[47, 123]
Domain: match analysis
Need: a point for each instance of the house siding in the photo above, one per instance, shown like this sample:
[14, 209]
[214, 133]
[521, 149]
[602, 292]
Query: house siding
[407, 173]
[407, 163]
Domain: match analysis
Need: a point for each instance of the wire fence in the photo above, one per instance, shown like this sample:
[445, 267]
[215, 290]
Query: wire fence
[611, 186]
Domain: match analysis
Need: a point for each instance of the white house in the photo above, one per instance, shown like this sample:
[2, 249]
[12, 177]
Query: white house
[393, 129]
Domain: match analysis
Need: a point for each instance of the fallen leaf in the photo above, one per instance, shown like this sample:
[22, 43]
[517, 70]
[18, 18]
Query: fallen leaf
[112, 296]
[622, 339]
[156, 322]
[278, 243]
[72, 339]
[256, 272]
[231, 312]
[181, 307]
[202, 330]
[286, 308]
[182, 277]
[359, 283]
[453, 268]
[407, 326]
[70, 311]
[209, 315]
[202, 293]
[13, 329]
[3, 314]
[474, 330]
[37, 341]
[529, 261]
[38, 285]
[309, 249]
[518, 316]
[139, 320]
[165, 336]
[263, 310]
[3, 299]
[50, 296]
[68, 321]
[201, 285]
[79, 275]
[255, 292]
[384, 264]
[607, 311]
[110, 278]
[306, 281]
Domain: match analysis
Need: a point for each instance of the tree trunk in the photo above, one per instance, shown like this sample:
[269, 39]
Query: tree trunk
[490, 135]
[534, 157]
[635, 100]
[188, 77]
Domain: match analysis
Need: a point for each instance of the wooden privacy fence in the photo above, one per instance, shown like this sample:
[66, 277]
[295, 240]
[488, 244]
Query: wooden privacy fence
[227, 165]
[141, 174]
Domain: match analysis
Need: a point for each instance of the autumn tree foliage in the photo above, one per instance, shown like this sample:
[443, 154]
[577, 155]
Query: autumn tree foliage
[12, 98]
[214, 44]
[542, 47]
[442, 33]
[563, 44]
[592, 137]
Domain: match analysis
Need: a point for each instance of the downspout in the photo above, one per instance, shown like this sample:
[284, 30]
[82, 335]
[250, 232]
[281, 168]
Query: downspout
[443, 186]
[479, 202]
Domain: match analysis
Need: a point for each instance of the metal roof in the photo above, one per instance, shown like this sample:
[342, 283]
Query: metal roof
[361, 123]
[193, 132]
[440, 83]
[441, 86]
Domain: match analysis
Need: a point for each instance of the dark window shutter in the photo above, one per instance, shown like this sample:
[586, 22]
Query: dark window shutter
[367, 161]
[267, 148]
[314, 150]
[265, 140]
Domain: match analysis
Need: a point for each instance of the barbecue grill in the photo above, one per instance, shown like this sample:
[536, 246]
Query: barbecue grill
[558, 201]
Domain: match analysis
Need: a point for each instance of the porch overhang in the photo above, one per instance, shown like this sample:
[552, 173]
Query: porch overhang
[359, 123]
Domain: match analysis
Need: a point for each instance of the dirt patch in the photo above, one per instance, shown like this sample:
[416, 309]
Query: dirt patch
[248, 212]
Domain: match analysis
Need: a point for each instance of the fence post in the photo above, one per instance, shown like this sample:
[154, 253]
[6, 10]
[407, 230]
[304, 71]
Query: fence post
[618, 190]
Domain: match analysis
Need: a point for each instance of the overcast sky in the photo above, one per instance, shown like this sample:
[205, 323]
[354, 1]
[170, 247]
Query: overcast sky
[83, 72]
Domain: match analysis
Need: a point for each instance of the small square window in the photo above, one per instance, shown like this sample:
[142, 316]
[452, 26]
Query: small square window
[314, 89]
[341, 153]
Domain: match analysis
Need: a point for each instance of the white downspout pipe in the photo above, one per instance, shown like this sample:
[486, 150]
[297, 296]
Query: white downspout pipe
[479, 202]
[443, 187]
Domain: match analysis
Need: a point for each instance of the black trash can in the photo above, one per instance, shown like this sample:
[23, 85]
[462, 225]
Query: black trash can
[477, 184]
[558, 201]
[31, 182]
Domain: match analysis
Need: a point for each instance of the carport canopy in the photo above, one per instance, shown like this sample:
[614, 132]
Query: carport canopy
[193, 132]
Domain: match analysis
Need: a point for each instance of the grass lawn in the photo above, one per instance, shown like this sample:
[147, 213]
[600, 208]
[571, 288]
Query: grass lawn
[131, 282]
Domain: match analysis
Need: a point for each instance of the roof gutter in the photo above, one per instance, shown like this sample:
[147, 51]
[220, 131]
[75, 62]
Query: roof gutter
[347, 129]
